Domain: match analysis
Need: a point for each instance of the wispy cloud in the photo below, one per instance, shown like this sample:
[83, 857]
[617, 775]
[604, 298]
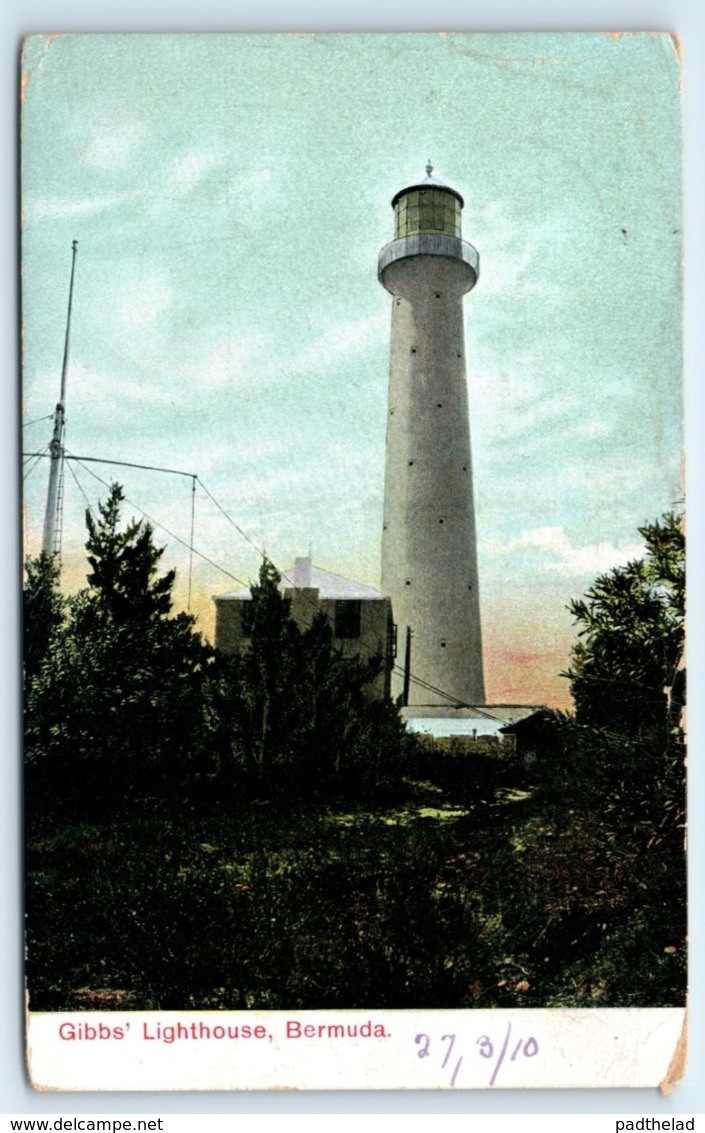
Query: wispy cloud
[233, 360]
[341, 339]
[565, 558]
[224, 364]
[190, 169]
[627, 469]
[513, 254]
[54, 208]
[110, 142]
[253, 181]
[144, 302]
[209, 170]
[98, 396]
[503, 413]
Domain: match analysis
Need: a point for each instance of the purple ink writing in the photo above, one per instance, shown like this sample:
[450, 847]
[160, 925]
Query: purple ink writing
[488, 1049]
[528, 1047]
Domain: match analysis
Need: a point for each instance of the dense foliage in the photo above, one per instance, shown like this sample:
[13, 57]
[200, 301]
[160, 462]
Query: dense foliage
[118, 706]
[258, 832]
[611, 784]
[302, 722]
[126, 705]
[625, 673]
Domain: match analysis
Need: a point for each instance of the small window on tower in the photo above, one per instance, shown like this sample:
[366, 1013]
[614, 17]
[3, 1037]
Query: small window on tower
[347, 618]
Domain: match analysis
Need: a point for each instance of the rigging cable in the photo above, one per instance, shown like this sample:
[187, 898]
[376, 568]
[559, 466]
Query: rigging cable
[70, 457]
[263, 554]
[231, 521]
[156, 523]
[431, 688]
[38, 456]
[439, 692]
[80, 488]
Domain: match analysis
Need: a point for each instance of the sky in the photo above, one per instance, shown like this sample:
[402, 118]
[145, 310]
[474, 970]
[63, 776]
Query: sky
[230, 195]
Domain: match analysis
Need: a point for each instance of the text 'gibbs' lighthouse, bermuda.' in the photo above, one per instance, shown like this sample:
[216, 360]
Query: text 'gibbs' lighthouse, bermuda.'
[429, 552]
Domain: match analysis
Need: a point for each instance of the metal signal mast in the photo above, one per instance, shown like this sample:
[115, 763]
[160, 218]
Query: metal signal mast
[51, 543]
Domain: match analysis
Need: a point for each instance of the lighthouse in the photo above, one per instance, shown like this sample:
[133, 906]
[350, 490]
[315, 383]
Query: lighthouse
[429, 549]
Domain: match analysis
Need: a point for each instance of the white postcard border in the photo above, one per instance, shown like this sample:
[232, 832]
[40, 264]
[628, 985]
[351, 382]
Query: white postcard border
[333, 1050]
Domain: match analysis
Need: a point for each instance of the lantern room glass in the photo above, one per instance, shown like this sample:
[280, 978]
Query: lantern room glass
[432, 211]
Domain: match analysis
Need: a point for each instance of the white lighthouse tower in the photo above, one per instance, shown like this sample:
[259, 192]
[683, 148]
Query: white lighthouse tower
[429, 553]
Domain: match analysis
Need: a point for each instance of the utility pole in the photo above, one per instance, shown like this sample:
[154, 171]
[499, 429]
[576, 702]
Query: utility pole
[407, 669]
[51, 543]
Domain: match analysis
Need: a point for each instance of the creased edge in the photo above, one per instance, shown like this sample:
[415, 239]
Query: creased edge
[677, 45]
[679, 1061]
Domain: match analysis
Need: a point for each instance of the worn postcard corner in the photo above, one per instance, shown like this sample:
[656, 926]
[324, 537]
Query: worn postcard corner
[679, 1062]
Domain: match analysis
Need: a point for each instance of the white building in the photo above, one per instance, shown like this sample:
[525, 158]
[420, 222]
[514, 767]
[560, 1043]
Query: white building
[360, 617]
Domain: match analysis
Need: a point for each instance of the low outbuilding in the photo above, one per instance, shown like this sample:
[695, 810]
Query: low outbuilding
[360, 616]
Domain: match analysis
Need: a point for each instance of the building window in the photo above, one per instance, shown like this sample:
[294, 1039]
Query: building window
[247, 618]
[347, 618]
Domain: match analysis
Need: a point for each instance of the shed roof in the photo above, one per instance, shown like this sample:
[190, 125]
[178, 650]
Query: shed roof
[304, 574]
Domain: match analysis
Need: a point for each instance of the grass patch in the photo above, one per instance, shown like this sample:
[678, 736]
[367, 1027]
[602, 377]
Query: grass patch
[420, 906]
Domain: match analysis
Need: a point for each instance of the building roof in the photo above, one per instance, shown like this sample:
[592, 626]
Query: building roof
[501, 713]
[531, 725]
[480, 719]
[429, 182]
[304, 574]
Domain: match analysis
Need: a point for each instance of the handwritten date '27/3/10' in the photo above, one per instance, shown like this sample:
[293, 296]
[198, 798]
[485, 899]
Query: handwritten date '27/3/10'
[486, 1048]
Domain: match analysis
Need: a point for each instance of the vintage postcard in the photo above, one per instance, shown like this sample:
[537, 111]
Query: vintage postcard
[354, 561]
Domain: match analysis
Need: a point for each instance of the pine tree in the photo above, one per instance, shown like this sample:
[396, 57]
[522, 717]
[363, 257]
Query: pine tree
[43, 611]
[303, 723]
[121, 708]
[124, 577]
